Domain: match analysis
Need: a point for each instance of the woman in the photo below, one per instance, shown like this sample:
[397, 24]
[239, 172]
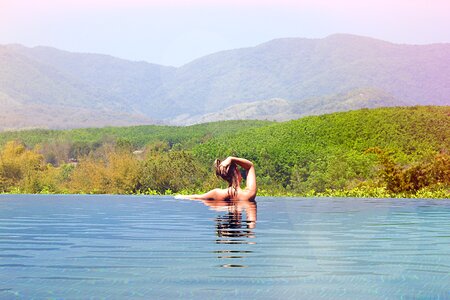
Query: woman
[228, 170]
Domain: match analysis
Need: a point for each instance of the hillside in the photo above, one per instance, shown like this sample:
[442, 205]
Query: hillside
[405, 131]
[329, 151]
[369, 152]
[50, 88]
[84, 140]
[283, 110]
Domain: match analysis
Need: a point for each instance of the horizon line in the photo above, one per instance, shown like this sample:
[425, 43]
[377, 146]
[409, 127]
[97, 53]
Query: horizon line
[224, 50]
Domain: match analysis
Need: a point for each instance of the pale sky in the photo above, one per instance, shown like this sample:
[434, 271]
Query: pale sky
[174, 32]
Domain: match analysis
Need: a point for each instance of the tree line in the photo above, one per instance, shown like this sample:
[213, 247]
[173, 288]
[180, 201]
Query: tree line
[389, 152]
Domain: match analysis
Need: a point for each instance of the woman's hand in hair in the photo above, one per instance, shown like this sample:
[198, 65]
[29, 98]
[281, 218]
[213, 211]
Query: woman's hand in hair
[242, 162]
[226, 163]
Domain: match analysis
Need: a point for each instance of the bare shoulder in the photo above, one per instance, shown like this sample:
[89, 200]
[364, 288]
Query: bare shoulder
[220, 193]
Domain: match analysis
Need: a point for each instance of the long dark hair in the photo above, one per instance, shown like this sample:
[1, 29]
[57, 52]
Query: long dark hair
[228, 174]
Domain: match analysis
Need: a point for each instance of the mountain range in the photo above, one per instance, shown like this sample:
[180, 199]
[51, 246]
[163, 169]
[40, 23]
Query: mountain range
[278, 80]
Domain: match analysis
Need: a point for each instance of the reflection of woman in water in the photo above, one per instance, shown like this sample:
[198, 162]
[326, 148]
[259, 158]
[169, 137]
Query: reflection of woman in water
[228, 170]
[231, 228]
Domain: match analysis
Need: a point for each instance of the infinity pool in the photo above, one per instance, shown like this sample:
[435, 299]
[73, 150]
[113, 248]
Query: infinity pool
[137, 247]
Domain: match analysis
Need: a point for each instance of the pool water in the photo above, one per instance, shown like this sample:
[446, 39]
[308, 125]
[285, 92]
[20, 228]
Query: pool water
[138, 247]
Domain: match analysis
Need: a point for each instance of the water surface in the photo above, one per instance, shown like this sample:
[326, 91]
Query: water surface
[129, 247]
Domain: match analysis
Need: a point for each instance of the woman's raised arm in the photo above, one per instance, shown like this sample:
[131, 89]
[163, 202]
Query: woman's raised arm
[248, 166]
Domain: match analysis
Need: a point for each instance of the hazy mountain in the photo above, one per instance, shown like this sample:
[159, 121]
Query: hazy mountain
[295, 69]
[46, 87]
[278, 109]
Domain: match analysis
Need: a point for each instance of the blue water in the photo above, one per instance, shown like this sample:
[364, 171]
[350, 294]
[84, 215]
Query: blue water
[126, 247]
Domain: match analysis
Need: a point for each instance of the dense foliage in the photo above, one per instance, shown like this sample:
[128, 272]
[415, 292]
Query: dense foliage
[330, 152]
[61, 145]
[400, 152]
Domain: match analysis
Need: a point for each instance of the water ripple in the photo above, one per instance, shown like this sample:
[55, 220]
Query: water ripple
[121, 247]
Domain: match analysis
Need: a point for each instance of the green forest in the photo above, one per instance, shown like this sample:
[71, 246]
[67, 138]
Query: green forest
[386, 152]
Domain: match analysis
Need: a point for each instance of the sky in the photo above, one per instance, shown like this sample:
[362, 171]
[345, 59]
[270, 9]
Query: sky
[174, 32]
